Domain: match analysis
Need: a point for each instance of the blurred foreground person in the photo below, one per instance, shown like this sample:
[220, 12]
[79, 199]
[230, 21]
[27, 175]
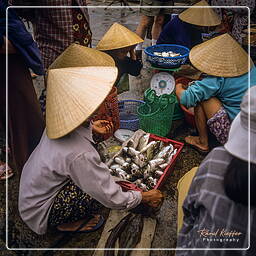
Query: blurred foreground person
[215, 208]
[25, 120]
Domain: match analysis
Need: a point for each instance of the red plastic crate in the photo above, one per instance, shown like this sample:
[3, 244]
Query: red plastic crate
[179, 145]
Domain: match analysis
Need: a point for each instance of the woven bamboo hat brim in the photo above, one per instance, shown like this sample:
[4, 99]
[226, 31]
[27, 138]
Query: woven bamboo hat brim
[201, 16]
[80, 56]
[221, 56]
[73, 94]
[118, 37]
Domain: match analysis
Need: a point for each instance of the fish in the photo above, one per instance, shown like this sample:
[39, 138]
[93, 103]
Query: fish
[139, 161]
[164, 151]
[143, 186]
[151, 150]
[136, 172]
[121, 173]
[115, 233]
[134, 166]
[131, 143]
[171, 154]
[158, 173]
[131, 234]
[163, 166]
[167, 54]
[126, 166]
[153, 164]
[129, 177]
[119, 160]
[143, 141]
[146, 173]
[138, 182]
[132, 152]
[151, 144]
[115, 166]
[128, 160]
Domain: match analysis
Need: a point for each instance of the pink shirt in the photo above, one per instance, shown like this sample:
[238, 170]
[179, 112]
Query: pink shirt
[53, 163]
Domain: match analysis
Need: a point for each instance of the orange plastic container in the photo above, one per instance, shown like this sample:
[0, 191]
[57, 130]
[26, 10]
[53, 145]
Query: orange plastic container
[188, 115]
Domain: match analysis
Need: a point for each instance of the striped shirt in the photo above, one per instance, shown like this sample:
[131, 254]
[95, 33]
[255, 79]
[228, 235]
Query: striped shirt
[211, 219]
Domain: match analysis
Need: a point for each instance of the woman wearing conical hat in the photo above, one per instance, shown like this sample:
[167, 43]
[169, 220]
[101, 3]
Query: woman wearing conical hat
[216, 99]
[64, 181]
[118, 42]
[186, 29]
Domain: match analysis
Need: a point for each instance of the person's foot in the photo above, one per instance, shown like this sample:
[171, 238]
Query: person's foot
[74, 226]
[195, 142]
[5, 173]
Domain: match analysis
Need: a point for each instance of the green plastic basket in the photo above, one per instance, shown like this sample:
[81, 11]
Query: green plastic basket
[155, 116]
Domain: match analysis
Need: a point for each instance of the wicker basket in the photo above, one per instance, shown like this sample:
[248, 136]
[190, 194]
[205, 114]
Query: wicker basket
[156, 116]
[128, 114]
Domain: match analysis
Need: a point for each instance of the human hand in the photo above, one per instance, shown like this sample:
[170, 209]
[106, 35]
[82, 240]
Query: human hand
[153, 198]
[102, 126]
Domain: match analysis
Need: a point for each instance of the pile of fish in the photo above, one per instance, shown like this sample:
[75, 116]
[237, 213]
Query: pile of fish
[167, 54]
[128, 232]
[143, 164]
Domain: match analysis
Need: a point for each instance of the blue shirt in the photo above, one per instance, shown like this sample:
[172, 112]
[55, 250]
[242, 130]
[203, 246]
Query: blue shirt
[20, 38]
[228, 90]
[178, 32]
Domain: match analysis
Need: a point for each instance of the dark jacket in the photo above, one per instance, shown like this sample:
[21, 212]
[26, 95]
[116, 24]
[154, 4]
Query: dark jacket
[20, 38]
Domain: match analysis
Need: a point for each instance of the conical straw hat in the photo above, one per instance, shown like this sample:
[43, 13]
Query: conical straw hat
[80, 56]
[221, 56]
[117, 37]
[73, 94]
[201, 16]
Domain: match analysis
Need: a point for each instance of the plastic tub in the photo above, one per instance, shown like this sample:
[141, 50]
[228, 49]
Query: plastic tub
[167, 62]
[129, 118]
[188, 115]
[159, 120]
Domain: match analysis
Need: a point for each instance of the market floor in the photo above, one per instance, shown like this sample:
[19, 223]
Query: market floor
[20, 236]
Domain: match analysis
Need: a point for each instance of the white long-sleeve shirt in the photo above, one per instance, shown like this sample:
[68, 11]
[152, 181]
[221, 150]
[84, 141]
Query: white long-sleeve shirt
[53, 163]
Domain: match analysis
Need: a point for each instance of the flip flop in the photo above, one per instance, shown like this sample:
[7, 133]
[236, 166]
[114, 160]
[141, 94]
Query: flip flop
[3, 175]
[201, 151]
[78, 230]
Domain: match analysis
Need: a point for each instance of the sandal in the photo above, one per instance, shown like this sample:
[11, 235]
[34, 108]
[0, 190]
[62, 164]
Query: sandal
[78, 230]
[3, 169]
[194, 146]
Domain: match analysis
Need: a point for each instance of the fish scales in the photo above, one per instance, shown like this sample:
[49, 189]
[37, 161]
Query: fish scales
[143, 141]
[114, 235]
[131, 235]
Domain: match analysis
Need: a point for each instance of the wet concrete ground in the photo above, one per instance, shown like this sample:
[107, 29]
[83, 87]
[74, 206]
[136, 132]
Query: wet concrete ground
[20, 236]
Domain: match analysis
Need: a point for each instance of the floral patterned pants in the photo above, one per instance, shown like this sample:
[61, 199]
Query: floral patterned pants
[219, 125]
[71, 204]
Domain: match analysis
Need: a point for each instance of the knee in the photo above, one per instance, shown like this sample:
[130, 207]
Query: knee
[159, 20]
[145, 21]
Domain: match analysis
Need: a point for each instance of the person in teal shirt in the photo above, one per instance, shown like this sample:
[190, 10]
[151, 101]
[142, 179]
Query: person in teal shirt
[216, 99]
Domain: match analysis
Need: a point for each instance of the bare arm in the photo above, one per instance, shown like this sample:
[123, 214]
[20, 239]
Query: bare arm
[179, 90]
